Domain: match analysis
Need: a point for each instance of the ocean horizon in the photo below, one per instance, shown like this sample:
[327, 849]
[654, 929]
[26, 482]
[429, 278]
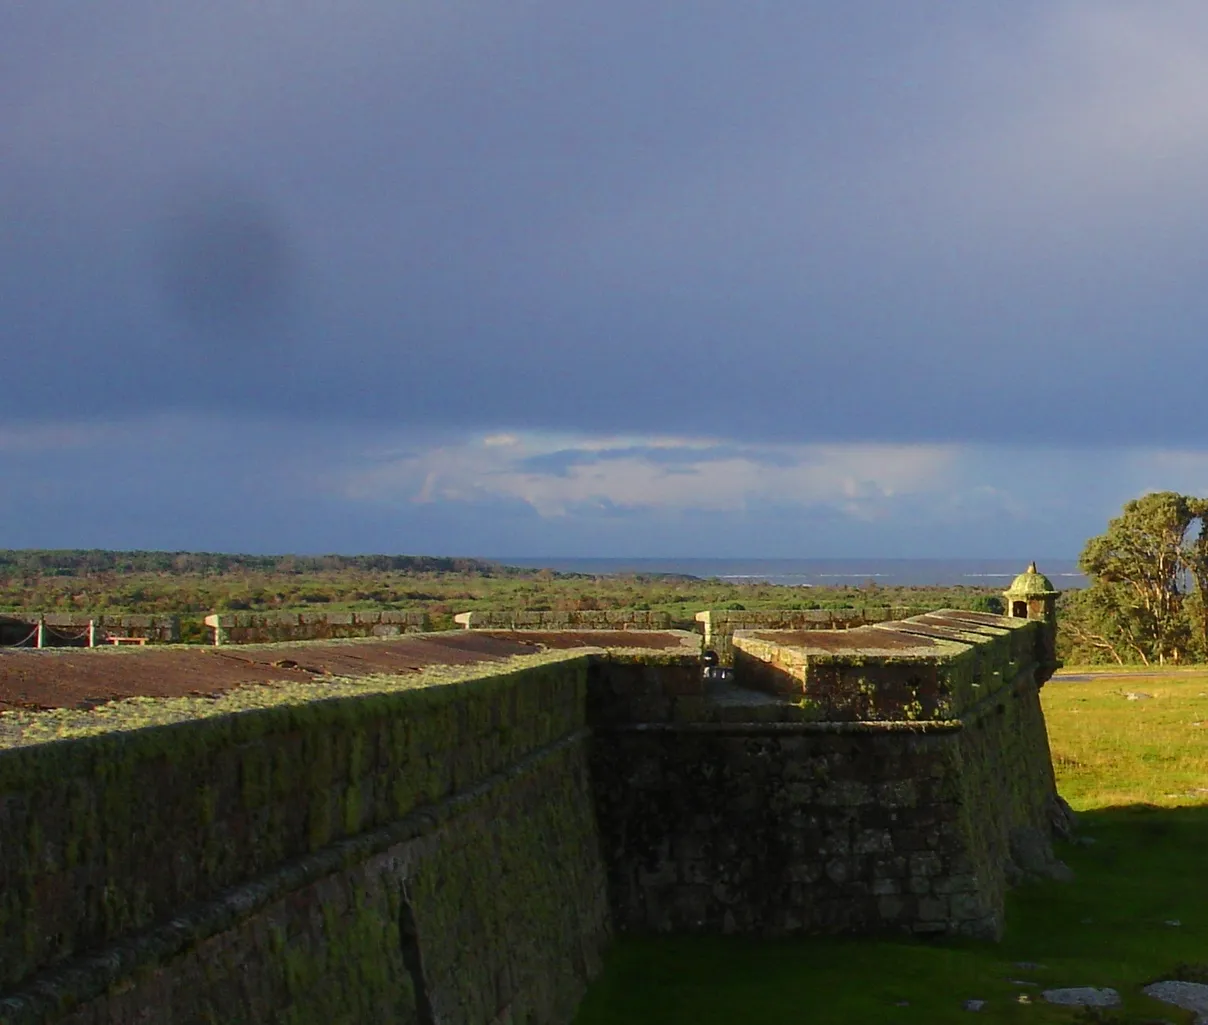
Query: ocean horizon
[826, 572]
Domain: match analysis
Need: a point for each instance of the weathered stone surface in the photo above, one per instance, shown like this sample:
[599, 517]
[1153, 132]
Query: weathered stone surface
[269, 627]
[1190, 996]
[589, 619]
[119, 832]
[159, 629]
[903, 828]
[712, 810]
[1032, 857]
[1082, 996]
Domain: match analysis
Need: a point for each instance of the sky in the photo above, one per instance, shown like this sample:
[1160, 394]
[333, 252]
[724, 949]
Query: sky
[768, 279]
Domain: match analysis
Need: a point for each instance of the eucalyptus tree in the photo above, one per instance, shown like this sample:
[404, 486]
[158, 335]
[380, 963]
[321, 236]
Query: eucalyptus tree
[1149, 578]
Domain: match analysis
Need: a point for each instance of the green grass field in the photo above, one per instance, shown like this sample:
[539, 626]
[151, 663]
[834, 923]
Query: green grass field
[1136, 769]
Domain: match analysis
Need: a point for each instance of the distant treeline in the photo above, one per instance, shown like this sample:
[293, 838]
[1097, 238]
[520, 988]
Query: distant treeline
[192, 584]
[37, 562]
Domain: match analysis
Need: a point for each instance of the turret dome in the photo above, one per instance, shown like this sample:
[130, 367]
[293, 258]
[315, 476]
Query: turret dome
[1032, 584]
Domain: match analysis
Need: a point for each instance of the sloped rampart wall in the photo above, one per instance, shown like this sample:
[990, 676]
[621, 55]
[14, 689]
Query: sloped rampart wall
[423, 853]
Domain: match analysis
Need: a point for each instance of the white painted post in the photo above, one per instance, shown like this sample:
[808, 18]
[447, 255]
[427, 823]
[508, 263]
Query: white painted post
[92, 633]
[41, 632]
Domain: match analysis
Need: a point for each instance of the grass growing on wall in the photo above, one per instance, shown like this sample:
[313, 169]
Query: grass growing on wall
[1137, 771]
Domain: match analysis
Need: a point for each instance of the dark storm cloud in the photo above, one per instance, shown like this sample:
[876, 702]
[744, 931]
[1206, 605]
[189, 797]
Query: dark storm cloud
[769, 220]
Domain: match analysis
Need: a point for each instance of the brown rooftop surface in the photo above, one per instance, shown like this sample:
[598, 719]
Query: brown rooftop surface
[74, 677]
[984, 618]
[860, 639]
[946, 630]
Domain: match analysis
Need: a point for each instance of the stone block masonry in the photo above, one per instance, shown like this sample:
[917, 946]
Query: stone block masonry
[72, 627]
[270, 627]
[457, 844]
[590, 619]
[417, 849]
[865, 781]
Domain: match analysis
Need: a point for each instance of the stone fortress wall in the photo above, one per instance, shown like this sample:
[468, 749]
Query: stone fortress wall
[889, 777]
[432, 848]
[414, 850]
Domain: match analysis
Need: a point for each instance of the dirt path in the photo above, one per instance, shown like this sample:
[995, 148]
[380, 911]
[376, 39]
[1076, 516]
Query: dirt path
[1118, 674]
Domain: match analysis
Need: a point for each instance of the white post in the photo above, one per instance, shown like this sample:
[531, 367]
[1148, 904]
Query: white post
[92, 633]
[41, 632]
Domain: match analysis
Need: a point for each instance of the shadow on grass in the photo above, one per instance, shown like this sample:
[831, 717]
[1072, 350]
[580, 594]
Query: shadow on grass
[1112, 926]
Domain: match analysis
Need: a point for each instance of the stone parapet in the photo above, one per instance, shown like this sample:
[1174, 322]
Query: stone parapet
[720, 624]
[926, 667]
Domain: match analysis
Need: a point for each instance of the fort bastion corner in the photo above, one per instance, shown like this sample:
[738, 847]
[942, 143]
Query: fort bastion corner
[452, 827]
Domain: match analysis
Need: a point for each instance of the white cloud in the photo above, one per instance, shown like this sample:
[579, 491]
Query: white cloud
[275, 485]
[557, 475]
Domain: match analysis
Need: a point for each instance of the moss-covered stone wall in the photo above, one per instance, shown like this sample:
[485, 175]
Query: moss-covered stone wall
[110, 834]
[884, 787]
[494, 915]
[455, 845]
[932, 666]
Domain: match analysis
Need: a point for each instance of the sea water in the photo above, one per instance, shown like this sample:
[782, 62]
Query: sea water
[996, 573]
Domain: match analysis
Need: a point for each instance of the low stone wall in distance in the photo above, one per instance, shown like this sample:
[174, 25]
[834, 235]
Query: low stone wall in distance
[719, 624]
[268, 627]
[596, 619]
[66, 628]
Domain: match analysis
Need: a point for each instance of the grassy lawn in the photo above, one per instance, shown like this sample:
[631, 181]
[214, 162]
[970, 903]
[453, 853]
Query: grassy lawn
[1137, 771]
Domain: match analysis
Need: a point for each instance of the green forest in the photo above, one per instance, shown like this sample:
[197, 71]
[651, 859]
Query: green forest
[191, 585]
[1145, 603]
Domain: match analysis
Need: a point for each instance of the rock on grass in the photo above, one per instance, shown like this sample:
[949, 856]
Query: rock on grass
[1082, 996]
